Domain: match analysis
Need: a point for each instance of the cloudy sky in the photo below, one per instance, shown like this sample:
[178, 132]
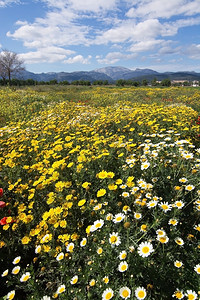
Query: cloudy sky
[74, 35]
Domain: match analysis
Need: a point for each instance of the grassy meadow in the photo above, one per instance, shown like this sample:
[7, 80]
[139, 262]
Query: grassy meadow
[100, 193]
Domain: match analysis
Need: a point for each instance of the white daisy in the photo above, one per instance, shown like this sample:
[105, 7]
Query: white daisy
[74, 280]
[125, 292]
[189, 187]
[107, 294]
[163, 239]
[197, 268]
[38, 249]
[5, 273]
[160, 232]
[10, 295]
[16, 260]
[145, 165]
[183, 180]
[123, 266]
[118, 218]
[165, 206]
[178, 294]
[25, 277]
[125, 194]
[191, 295]
[114, 239]
[122, 255]
[152, 203]
[60, 256]
[16, 270]
[83, 242]
[98, 224]
[173, 222]
[61, 289]
[179, 204]
[140, 293]
[145, 249]
[137, 216]
[70, 247]
[179, 241]
[178, 264]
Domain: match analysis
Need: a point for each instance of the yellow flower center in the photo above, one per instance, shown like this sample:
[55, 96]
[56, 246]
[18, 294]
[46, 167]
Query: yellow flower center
[125, 293]
[123, 267]
[26, 277]
[164, 206]
[75, 280]
[145, 249]
[113, 239]
[179, 295]
[62, 290]
[141, 294]
[108, 296]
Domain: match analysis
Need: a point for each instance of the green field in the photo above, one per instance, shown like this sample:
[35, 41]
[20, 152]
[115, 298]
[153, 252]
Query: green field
[100, 193]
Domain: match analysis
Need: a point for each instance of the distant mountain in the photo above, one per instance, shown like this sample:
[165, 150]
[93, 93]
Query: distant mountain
[62, 76]
[124, 73]
[111, 74]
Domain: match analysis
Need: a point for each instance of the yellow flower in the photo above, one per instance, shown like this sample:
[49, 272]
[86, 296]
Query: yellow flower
[106, 279]
[110, 175]
[101, 193]
[112, 187]
[86, 185]
[102, 175]
[118, 181]
[2, 244]
[25, 240]
[81, 202]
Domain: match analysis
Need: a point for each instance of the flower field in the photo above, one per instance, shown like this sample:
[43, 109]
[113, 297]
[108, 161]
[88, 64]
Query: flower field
[100, 193]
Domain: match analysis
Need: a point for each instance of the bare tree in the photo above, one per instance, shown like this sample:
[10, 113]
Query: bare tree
[10, 64]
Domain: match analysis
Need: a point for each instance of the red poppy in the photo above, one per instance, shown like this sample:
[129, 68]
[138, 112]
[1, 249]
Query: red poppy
[2, 204]
[3, 221]
[1, 192]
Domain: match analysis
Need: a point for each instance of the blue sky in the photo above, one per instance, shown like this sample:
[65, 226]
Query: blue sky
[82, 35]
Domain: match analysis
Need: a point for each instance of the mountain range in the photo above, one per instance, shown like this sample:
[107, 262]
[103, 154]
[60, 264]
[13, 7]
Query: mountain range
[111, 74]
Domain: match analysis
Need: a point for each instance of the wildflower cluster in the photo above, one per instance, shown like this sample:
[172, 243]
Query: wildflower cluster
[101, 203]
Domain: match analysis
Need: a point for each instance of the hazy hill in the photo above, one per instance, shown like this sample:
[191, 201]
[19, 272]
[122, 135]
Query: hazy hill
[111, 74]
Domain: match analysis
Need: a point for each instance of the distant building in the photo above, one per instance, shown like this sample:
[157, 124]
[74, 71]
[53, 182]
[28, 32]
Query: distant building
[195, 83]
[178, 82]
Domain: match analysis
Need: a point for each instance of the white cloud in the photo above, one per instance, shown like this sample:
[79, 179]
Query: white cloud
[67, 23]
[166, 9]
[193, 51]
[114, 57]
[78, 59]
[48, 54]
[130, 31]
[4, 3]
[146, 45]
[86, 5]
[171, 28]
